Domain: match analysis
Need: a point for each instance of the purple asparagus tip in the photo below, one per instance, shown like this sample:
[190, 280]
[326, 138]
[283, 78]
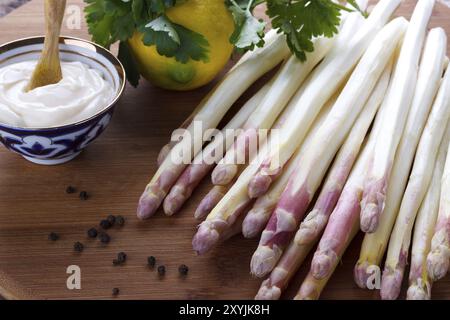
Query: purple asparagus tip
[361, 274]
[370, 218]
[437, 265]
[391, 284]
[147, 207]
[259, 186]
[205, 239]
[321, 264]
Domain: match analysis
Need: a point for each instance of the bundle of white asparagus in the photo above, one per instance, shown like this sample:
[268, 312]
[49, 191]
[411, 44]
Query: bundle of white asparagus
[361, 127]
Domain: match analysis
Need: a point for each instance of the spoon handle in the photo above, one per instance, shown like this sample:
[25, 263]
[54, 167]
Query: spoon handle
[48, 69]
[54, 14]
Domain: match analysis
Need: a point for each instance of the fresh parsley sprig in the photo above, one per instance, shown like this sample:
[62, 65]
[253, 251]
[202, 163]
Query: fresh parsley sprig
[111, 21]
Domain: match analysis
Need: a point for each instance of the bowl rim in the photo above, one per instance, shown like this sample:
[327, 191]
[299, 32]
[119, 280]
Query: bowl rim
[107, 53]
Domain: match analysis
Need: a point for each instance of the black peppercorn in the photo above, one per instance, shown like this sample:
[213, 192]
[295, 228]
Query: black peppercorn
[78, 246]
[183, 269]
[84, 195]
[105, 224]
[115, 291]
[111, 219]
[104, 237]
[122, 257]
[70, 190]
[120, 220]
[92, 233]
[151, 261]
[53, 236]
[161, 270]
[116, 262]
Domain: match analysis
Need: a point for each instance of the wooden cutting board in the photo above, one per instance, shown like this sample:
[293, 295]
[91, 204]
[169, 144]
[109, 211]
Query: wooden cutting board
[114, 171]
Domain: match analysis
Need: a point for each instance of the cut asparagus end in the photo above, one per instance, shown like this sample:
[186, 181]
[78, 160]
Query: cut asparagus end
[391, 283]
[421, 290]
[259, 185]
[323, 263]
[268, 292]
[254, 222]
[223, 174]
[264, 260]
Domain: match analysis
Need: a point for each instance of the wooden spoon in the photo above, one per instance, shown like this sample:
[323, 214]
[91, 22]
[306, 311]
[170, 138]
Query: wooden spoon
[48, 68]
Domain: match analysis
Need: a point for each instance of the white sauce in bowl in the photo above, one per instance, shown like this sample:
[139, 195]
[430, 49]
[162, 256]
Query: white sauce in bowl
[81, 94]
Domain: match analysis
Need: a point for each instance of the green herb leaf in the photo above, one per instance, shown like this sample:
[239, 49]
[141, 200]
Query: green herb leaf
[109, 20]
[301, 20]
[164, 26]
[129, 63]
[248, 31]
[355, 5]
[174, 40]
[193, 45]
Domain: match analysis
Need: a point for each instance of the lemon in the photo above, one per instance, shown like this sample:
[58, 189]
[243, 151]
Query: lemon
[211, 19]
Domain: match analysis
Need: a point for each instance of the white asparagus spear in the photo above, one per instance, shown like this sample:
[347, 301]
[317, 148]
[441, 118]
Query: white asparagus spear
[311, 287]
[439, 256]
[431, 68]
[205, 160]
[287, 81]
[257, 217]
[322, 86]
[418, 183]
[419, 281]
[341, 229]
[210, 200]
[314, 224]
[327, 77]
[224, 95]
[312, 167]
[399, 101]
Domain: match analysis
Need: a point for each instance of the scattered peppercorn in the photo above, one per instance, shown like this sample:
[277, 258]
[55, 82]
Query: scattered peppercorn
[111, 219]
[78, 246]
[53, 236]
[115, 291]
[183, 270]
[122, 257]
[70, 190]
[161, 270]
[105, 224]
[120, 221]
[92, 233]
[104, 237]
[151, 261]
[84, 195]
[116, 262]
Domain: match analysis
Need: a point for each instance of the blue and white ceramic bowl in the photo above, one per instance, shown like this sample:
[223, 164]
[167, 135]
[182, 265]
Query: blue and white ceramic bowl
[57, 145]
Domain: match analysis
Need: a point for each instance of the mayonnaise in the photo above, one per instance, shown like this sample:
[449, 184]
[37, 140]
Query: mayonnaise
[79, 95]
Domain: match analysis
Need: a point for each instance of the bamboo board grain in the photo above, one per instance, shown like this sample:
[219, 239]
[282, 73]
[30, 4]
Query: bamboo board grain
[114, 170]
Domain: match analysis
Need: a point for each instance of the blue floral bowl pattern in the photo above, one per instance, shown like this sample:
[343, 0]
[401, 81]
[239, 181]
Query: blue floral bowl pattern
[57, 145]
